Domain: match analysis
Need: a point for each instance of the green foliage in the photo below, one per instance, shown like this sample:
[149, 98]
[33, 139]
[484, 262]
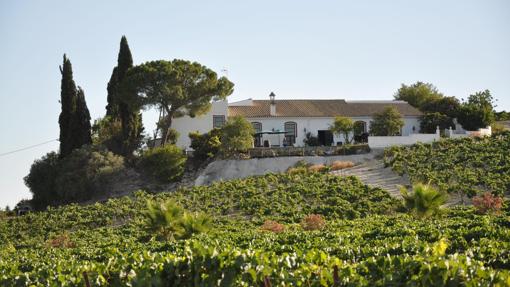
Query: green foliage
[173, 136]
[110, 241]
[74, 119]
[466, 166]
[430, 121]
[418, 94]
[424, 200]
[344, 126]
[170, 221]
[477, 112]
[439, 110]
[75, 178]
[84, 174]
[121, 107]
[497, 128]
[112, 107]
[165, 163]
[107, 132]
[236, 136]
[206, 145]
[68, 105]
[358, 128]
[176, 87]
[81, 121]
[447, 106]
[41, 180]
[502, 116]
[288, 198]
[387, 123]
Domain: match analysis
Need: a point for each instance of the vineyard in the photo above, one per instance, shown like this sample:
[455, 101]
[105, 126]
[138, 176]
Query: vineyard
[368, 240]
[467, 166]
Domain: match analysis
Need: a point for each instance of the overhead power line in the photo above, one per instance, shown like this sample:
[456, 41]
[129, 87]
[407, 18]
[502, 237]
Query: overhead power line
[28, 147]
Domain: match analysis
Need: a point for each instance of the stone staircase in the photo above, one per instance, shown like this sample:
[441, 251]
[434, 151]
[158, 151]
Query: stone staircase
[373, 173]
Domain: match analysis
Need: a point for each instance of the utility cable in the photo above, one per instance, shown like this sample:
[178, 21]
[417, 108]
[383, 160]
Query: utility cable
[28, 147]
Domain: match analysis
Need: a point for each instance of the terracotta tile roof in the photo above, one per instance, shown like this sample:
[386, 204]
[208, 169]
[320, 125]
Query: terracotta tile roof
[320, 108]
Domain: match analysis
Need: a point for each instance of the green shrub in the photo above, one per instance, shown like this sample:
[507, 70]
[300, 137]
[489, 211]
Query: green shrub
[77, 177]
[165, 163]
[205, 145]
[85, 173]
[41, 180]
[107, 132]
[170, 221]
[236, 136]
[424, 201]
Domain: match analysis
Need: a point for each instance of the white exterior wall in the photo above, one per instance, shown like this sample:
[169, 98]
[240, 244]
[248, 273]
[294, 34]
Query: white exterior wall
[383, 142]
[463, 134]
[202, 124]
[409, 123]
[313, 124]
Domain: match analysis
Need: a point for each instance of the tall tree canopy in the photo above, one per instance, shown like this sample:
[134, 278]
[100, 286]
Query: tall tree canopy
[177, 87]
[120, 108]
[387, 123]
[448, 106]
[68, 104]
[74, 119]
[81, 120]
[438, 110]
[477, 112]
[430, 121]
[418, 94]
[112, 108]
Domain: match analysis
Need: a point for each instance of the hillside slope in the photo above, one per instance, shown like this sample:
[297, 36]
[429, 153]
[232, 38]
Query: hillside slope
[466, 166]
[366, 240]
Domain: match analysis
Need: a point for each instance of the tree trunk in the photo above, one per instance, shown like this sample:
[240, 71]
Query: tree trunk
[167, 125]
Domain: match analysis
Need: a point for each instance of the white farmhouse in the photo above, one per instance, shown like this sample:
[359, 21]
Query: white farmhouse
[286, 122]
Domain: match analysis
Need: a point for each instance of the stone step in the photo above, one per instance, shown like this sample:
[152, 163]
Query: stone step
[376, 175]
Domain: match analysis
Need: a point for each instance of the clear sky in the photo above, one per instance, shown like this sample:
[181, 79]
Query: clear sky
[355, 50]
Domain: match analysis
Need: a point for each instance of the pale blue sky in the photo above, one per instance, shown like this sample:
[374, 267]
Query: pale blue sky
[298, 49]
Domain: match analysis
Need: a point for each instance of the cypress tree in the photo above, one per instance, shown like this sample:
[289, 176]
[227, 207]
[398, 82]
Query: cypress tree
[74, 119]
[82, 128]
[68, 105]
[119, 106]
[112, 108]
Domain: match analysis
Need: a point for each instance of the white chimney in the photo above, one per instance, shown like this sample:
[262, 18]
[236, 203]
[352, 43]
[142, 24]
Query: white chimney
[272, 105]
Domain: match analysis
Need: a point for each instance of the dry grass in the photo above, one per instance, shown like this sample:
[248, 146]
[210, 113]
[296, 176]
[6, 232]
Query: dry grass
[61, 241]
[317, 168]
[313, 222]
[338, 164]
[272, 226]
